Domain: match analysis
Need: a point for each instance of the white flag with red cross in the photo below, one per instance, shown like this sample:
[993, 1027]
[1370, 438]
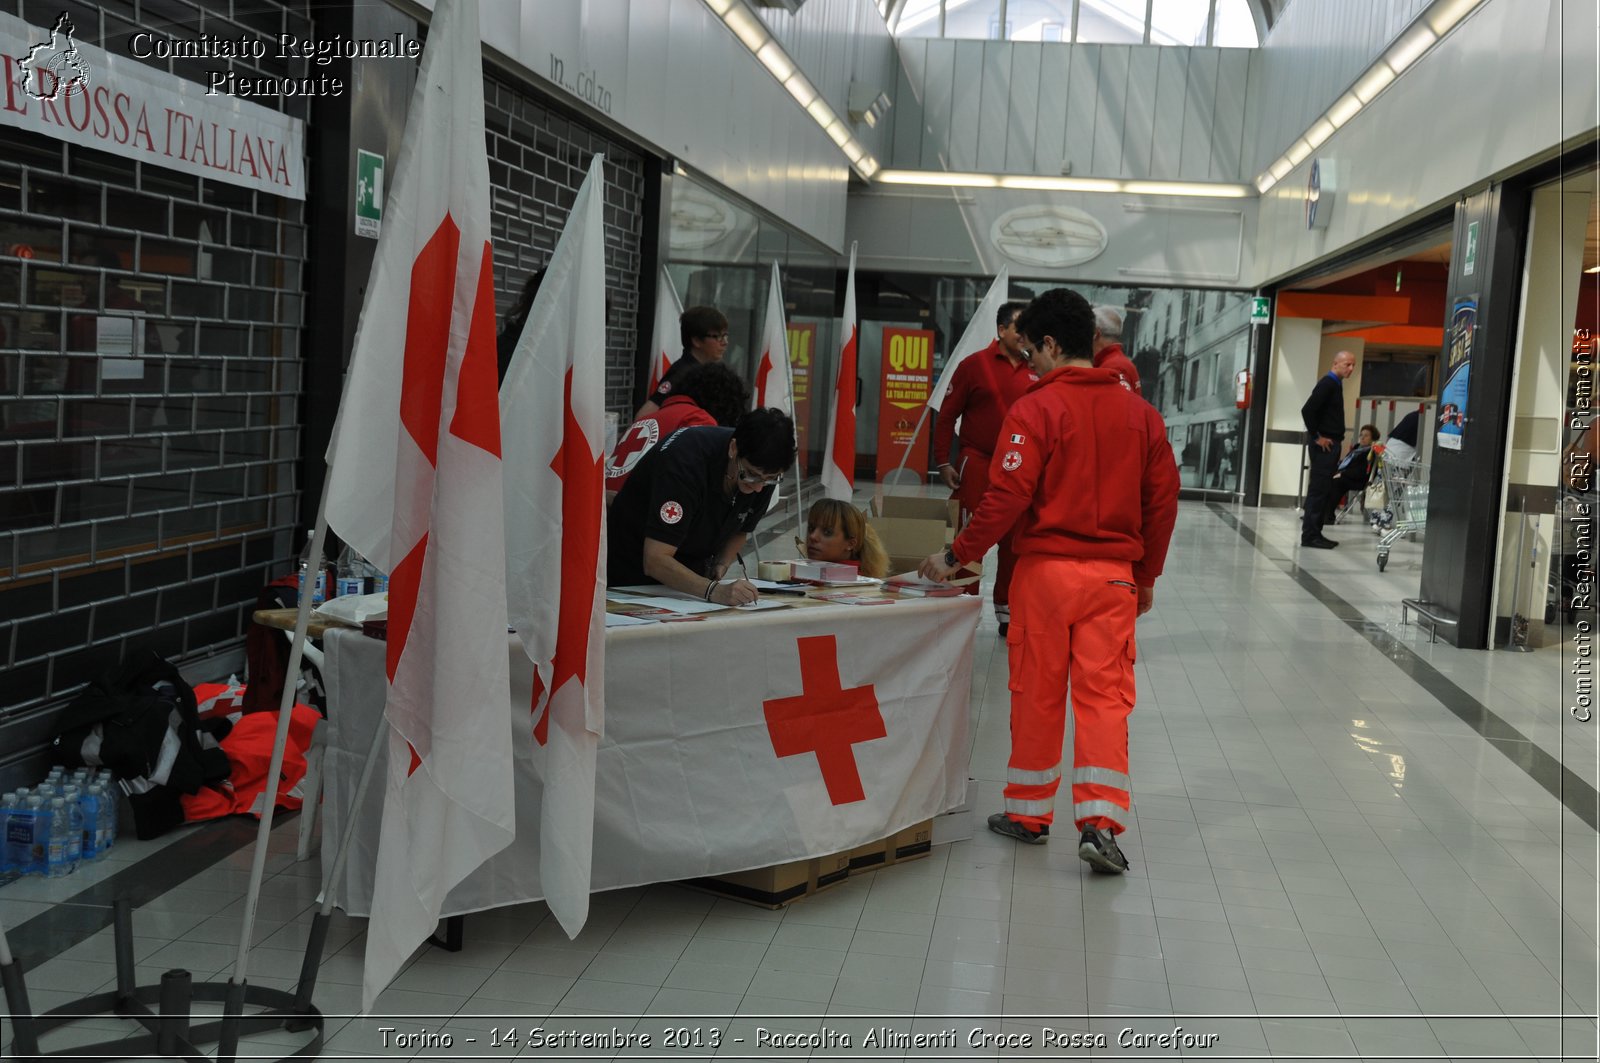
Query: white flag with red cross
[839, 455]
[774, 384]
[666, 338]
[978, 335]
[414, 485]
[552, 404]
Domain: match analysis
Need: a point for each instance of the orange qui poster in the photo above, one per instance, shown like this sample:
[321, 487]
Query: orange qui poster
[802, 345]
[904, 388]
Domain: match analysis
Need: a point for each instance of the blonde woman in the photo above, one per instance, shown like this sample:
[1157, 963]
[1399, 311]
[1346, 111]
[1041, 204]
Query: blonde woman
[837, 531]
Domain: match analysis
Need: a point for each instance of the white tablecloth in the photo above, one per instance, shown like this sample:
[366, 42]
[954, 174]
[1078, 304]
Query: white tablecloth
[689, 782]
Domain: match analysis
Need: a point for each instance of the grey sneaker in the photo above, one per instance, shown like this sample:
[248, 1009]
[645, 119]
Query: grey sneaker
[1098, 849]
[1001, 823]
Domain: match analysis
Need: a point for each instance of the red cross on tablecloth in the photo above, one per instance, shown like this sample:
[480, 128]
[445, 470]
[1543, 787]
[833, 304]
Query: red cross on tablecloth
[825, 719]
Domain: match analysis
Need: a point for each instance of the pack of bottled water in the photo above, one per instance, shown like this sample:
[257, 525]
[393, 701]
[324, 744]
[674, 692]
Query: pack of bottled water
[51, 828]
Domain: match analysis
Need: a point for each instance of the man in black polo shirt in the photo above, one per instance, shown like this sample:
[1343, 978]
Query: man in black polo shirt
[1323, 415]
[704, 332]
[689, 505]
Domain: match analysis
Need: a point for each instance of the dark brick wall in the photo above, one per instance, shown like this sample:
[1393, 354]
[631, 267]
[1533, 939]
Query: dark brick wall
[141, 510]
[538, 156]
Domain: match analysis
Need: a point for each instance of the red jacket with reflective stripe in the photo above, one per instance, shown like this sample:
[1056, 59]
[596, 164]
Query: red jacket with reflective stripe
[1082, 468]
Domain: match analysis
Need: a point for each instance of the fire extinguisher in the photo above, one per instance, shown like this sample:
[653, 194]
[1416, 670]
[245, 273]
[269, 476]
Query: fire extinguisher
[1241, 389]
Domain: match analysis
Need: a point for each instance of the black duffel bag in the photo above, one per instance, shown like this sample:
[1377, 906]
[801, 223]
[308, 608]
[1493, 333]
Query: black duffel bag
[140, 721]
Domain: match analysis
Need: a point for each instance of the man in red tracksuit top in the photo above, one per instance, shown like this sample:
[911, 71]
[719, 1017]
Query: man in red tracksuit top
[1108, 346]
[1086, 483]
[982, 389]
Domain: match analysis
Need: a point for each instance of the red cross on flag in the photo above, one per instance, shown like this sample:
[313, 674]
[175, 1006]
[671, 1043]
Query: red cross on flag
[839, 456]
[414, 484]
[774, 378]
[552, 404]
[667, 338]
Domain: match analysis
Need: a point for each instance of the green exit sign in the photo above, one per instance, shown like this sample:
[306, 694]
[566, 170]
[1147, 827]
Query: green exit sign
[1261, 310]
[369, 193]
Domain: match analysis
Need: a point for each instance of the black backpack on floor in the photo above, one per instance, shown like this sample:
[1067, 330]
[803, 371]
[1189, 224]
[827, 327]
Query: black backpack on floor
[141, 722]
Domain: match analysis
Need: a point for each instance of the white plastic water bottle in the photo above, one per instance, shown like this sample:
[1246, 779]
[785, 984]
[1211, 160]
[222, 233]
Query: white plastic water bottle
[55, 859]
[349, 573]
[319, 587]
[9, 871]
[37, 817]
[74, 798]
[110, 795]
[378, 580]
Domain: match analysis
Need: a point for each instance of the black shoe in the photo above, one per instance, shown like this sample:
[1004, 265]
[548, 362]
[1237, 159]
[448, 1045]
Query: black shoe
[1001, 823]
[1319, 542]
[1098, 849]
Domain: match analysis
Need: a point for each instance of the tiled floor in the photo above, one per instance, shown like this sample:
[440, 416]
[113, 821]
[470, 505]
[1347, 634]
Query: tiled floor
[1328, 862]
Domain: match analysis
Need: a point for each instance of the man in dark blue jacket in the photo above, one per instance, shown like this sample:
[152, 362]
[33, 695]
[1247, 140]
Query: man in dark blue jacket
[1323, 414]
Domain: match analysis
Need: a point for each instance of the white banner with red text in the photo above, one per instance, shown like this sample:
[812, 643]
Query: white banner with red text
[731, 743]
[64, 89]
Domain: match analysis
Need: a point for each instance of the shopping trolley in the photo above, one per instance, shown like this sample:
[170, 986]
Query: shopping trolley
[1405, 510]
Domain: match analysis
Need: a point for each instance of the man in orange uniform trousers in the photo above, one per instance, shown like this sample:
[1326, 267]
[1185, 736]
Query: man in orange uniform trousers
[1085, 482]
[982, 389]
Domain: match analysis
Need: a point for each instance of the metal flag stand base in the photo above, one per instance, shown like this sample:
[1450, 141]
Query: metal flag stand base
[168, 1030]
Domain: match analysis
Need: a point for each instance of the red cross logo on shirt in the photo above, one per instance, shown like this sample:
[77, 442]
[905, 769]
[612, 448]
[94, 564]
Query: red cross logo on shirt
[826, 719]
[671, 513]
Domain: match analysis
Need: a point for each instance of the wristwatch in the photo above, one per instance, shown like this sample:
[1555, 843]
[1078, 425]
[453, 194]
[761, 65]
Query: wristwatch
[950, 558]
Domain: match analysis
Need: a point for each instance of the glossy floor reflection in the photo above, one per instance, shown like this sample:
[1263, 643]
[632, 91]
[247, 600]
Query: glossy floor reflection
[1328, 861]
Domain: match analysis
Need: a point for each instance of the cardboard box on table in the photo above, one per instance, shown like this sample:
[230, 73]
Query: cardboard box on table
[912, 527]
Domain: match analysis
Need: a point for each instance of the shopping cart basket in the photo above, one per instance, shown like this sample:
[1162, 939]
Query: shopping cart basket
[1405, 510]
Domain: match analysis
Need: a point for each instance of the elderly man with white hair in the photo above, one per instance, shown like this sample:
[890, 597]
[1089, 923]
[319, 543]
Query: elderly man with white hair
[1108, 347]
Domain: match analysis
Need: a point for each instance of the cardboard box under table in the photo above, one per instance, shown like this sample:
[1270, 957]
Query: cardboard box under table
[745, 741]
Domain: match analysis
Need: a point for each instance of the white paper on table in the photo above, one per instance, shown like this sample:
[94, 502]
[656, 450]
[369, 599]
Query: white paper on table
[673, 605]
[859, 581]
[624, 620]
[646, 590]
[353, 609]
[776, 585]
[912, 579]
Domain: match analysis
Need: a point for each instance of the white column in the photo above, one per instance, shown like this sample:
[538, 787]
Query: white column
[1551, 274]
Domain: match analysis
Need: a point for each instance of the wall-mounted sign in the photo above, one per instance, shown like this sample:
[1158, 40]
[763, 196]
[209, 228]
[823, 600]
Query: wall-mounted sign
[1261, 310]
[1458, 371]
[369, 193]
[60, 88]
[802, 351]
[1047, 235]
[1469, 257]
[905, 385]
[1321, 184]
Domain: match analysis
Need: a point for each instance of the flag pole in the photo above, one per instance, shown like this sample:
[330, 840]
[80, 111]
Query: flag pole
[234, 1003]
[330, 875]
[24, 1042]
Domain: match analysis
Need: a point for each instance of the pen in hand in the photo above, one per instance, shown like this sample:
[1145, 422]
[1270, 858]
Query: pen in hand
[743, 592]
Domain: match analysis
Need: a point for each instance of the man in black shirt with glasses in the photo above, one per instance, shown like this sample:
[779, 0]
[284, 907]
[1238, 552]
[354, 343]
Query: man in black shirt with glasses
[704, 332]
[689, 505]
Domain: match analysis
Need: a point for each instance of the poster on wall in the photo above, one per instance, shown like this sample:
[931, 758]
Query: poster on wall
[802, 346]
[1458, 367]
[905, 385]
